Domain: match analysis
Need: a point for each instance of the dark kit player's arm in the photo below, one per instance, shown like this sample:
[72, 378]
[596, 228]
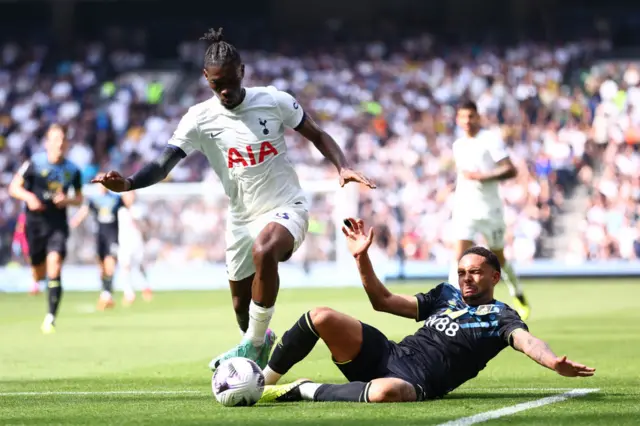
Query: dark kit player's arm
[380, 297]
[78, 196]
[540, 352]
[18, 191]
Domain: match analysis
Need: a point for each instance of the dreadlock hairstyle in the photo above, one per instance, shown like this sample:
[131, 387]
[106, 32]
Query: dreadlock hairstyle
[219, 51]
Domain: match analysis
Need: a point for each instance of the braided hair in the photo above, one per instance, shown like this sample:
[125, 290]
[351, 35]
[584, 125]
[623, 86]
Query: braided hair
[219, 51]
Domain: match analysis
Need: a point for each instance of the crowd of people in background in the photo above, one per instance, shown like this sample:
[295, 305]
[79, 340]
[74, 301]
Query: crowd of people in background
[392, 111]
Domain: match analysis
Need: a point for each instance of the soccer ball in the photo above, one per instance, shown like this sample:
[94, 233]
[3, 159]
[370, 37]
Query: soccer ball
[237, 382]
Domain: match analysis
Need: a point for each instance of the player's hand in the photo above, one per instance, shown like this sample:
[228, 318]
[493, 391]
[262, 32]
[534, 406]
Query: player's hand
[113, 181]
[348, 175]
[60, 200]
[358, 241]
[34, 204]
[473, 175]
[567, 368]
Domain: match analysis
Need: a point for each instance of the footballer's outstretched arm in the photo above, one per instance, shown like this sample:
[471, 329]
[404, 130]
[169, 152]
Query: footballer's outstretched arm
[150, 174]
[380, 297]
[157, 170]
[331, 151]
[540, 352]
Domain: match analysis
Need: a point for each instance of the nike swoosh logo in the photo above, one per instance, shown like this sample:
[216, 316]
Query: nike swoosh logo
[215, 135]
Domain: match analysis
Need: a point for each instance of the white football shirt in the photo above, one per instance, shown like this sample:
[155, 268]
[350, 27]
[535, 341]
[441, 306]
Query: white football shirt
[481, 153]
[128, 231]
[245, 146]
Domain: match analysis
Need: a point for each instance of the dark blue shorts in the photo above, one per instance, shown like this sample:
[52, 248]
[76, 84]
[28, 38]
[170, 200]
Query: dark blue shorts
[380, 358]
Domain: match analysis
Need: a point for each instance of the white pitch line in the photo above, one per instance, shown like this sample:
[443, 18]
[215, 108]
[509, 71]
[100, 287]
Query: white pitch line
[130, 392]
[507, 411]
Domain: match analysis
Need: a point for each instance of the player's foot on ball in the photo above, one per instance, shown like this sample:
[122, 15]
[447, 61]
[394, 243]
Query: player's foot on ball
[269, 340]
[245, 349]
[283, 393]
[48, 325]
[147, 294]
[521, 306]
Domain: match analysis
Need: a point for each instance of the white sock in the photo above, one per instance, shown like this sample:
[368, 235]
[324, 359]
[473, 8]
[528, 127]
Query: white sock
[125, 278]
[511, 279]
[259, 319]
[105, 295]
[49, 319]
[453, 274]
[308, 390]
[270, 376]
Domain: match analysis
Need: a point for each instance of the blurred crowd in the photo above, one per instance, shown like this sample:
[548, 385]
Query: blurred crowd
[611, 226]
[391, 109]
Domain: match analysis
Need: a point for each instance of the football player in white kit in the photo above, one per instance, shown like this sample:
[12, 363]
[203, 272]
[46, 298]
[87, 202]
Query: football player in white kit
[482, 162]
[131, 249]
[241, 132]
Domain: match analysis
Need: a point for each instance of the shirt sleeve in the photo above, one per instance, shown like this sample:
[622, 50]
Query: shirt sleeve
[26, 172]
[26, 169]
[291, 112]
[509, 322]
[427, 302]
[187, 135]
[497, 149]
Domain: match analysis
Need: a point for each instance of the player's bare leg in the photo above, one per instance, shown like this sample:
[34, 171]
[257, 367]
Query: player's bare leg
[107, 270]
[343, 336]
[274, 244]
[513, 283]
[126, 279]
[39, 274]
[54, 287]
[147, 294]
[241, 299]
[459, 247]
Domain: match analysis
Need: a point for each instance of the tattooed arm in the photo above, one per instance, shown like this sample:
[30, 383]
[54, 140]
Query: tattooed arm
[540, 352]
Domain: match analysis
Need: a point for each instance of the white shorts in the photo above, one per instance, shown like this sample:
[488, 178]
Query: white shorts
[240, 238]
[130, 253]
[491, 229]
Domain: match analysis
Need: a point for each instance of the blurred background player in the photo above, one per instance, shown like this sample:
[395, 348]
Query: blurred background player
[104, 206]
[241, 132]
[131, 237]
[43, 183]
[482, 162]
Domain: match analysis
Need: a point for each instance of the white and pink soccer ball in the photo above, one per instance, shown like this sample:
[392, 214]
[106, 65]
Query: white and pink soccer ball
[237, 382]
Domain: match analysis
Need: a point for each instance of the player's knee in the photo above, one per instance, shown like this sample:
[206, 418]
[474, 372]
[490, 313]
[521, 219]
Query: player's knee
[391, 390]
[323, 319]
[266, 251]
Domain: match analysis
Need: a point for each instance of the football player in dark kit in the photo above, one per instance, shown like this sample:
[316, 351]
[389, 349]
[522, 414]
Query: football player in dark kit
[104, 206]
[43, 183]
[462, 331]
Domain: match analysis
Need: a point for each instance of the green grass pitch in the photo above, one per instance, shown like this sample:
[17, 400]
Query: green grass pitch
[147, 364]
